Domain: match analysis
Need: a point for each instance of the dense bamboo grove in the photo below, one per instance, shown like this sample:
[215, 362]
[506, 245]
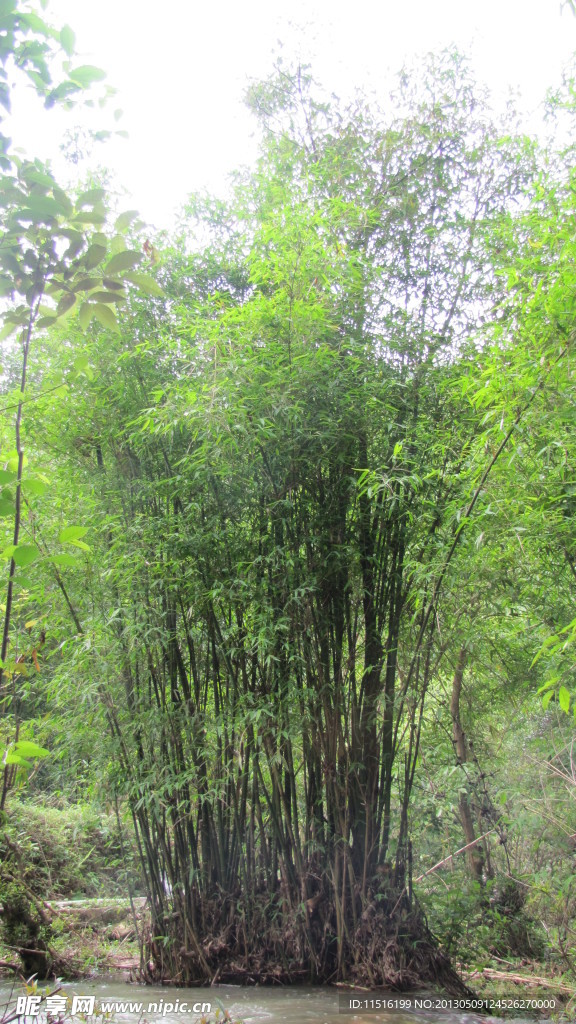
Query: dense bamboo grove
[281, 474]
[283, 441]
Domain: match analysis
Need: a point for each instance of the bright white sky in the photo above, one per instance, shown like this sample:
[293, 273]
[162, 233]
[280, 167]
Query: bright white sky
[181, 66]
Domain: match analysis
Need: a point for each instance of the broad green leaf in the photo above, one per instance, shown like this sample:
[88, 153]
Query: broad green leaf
[80, 544]
[40, 208]
[66, 303]
[72, 533]
[65, 560]
[94, 256]
[123, 261]
[12, 461]
[67, 40]
[7, 507]
[36, 23]
[108, 297]
[32, 485]
[107, 317]
[124, 220]
[145, 283]
[91, 196]
[33, 176]
[13, 758]
[25, 554]
[62, 200]
[86, 75]
[82, 362]
[564, 699]
[7, 330]
[40, 79]
[61, 91]
[30, 749]
[6, 476]
[85, 314]
[90, 217]
[85, 284]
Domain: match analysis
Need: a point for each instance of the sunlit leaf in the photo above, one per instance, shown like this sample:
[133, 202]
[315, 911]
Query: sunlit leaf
[106, 317]
[25, 554]
[94, 256]
[124, 220]
[564, 699]
[33, 485]
[123, 261]
[72, 533]
[14, 758]
[108, 297]
[91, 196]
[30, 749]
[65, 560]
[145, 283]
[86, 75]
[85, 314]
[65, 303]
[67, 40]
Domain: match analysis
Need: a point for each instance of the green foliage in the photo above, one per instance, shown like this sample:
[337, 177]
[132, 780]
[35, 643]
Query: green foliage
[55, 257]
[288, 464]
[326, 458]
[32, 48]
[22, 924]
[71, 851]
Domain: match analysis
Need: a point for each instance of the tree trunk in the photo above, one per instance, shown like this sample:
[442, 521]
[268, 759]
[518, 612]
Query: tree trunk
[475, 853]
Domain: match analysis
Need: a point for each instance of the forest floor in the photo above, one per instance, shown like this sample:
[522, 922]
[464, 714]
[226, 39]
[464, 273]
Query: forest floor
[95, 937]
[90, 938]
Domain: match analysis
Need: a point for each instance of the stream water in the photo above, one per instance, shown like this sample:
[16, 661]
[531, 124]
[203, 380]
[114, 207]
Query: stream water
[133, 1003]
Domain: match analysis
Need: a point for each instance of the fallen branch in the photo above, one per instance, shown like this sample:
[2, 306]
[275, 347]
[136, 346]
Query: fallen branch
[520, 979]
[11, 967]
